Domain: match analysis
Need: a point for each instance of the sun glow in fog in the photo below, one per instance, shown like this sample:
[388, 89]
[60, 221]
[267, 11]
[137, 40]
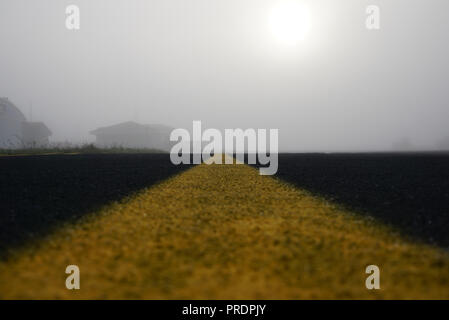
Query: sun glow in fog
[289, 22]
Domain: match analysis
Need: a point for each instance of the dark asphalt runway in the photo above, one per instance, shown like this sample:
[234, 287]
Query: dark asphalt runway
[409, 191]
[39, 192]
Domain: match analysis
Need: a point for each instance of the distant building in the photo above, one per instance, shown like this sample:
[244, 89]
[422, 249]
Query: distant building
[35, 134]
[11, 119]
[16, 132]
[402, 145]
[443, 144]
[134, 135]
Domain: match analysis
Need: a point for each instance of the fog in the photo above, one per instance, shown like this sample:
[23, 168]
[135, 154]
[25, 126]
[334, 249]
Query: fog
[342, 88]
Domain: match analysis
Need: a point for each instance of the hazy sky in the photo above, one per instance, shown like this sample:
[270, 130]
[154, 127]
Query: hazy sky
[342, 87]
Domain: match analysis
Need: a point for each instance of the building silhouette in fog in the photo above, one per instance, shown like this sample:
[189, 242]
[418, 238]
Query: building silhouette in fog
[134, 135]
[17, 132]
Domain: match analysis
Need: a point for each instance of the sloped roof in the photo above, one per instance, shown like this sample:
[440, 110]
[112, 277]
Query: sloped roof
[36, 128]
[9, 110]
[130, 127]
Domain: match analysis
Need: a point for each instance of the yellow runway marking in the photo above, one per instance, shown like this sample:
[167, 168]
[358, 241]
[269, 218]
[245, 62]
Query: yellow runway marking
[223, 231]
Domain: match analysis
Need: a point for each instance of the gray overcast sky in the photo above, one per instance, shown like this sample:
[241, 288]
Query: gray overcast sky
[173, 61]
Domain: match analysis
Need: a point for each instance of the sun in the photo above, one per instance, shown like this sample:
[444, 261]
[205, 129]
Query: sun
[289, 22]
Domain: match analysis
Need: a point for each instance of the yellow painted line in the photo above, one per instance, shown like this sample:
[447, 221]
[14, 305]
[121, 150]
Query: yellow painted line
[223, 231]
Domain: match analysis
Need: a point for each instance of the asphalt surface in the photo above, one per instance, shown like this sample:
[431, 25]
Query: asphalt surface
[409, 191]
[225, 232]
[37, 193]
